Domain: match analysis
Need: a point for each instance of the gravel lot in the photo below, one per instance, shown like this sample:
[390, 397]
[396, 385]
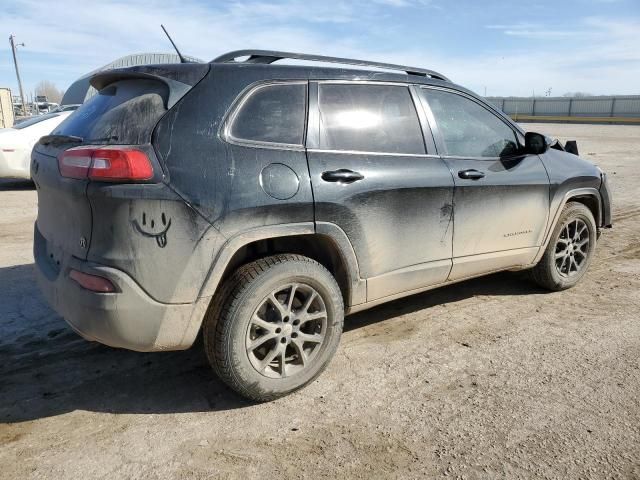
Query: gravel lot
[492, 378]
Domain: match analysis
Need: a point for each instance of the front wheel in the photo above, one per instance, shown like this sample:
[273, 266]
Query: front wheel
[570, 249]
[274, 327]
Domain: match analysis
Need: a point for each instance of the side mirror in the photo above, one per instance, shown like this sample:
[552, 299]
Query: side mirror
[535, 143]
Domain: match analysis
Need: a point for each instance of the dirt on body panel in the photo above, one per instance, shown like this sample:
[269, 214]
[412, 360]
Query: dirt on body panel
[490, 378]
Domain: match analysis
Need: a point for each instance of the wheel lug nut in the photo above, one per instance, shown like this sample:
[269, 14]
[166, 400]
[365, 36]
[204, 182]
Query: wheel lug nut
[278, 330]
[283, 340]
[294, 335]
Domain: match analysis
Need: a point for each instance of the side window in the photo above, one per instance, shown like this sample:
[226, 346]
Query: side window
[272, 114]
[369, 118]
[467, 128]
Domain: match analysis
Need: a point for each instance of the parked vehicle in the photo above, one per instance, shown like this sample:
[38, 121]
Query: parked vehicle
[66, 108]
[17, 142]
[260, 203]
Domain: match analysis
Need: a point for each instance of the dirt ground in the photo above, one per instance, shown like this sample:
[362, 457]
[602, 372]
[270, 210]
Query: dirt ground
[492, 378]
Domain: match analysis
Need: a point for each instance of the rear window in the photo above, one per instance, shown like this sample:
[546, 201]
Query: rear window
[124, 112]
[272, 114]
[369, 118]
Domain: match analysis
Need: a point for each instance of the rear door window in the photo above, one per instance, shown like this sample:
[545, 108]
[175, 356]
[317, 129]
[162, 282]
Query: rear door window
[467, 128]
[274, 113]
[369, 118]
[124, 113]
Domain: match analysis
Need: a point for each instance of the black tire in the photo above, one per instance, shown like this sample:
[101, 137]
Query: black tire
[553, 273]
[229, 325]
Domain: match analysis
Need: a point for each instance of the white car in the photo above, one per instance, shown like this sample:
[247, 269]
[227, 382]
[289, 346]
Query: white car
[17, 142]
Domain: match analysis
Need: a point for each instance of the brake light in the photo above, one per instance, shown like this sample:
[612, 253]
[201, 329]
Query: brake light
[94, 283]
[105, 164]
[75, 162]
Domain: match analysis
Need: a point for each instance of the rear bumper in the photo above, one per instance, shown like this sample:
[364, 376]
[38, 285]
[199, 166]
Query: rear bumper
[128, 319]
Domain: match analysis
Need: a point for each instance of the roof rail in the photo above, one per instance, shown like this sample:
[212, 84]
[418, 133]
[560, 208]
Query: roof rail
[270, 56]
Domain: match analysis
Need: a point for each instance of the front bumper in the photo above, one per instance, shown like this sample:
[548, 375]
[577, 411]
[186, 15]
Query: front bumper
[605, 195]
[128, 319]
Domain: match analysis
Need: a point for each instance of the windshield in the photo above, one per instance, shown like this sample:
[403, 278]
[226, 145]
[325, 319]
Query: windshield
[34, 120]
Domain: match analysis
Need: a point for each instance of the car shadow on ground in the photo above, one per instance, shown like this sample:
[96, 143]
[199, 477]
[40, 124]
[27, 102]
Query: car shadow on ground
[503, 283]
[47, 370]
[7, 184]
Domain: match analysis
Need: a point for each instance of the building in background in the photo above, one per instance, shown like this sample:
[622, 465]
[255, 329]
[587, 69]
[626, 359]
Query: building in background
[6, 108]
[80, 90]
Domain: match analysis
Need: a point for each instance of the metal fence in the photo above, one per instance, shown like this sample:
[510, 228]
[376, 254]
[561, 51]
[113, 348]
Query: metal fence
[622, 108]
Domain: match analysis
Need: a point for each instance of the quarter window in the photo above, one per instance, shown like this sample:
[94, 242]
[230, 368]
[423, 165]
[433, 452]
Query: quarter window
[272, 114]
[467, 128]
[369, 118]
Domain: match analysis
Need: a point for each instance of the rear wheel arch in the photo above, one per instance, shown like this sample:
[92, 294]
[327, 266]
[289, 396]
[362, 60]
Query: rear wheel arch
[325, 246]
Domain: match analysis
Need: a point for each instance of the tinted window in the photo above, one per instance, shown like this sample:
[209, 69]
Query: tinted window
[273, 114]
[369, 118]
[467, 128]
[124, 112]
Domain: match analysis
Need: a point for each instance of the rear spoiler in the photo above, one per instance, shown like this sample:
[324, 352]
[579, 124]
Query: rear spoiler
[179, 78]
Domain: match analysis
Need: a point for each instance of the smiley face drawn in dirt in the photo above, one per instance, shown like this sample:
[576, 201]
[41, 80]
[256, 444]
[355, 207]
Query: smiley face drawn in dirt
[150, 228]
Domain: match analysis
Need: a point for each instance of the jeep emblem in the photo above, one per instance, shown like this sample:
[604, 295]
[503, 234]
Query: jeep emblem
[83, 242]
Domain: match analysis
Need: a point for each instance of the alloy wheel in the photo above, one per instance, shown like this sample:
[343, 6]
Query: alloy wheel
[287, 331]
[572, 248]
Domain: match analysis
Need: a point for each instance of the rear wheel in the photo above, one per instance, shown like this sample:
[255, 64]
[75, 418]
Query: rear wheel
[274, 327]
[570, 250]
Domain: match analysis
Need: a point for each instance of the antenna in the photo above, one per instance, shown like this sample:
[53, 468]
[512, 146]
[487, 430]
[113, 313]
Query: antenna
[182, 59]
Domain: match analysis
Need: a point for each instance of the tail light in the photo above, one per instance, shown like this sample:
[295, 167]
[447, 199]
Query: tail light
[105, 164]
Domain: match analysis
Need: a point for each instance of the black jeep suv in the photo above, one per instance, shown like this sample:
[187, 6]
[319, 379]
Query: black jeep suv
[260, 203]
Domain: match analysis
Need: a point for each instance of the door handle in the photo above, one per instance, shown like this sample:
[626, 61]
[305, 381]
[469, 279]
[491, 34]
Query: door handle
[471, 174]
[342, 176]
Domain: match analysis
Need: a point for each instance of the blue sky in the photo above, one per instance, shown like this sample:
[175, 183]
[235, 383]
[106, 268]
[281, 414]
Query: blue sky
[505, 47]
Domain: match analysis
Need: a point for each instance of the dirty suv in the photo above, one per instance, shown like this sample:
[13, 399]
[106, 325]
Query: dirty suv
[258, 203]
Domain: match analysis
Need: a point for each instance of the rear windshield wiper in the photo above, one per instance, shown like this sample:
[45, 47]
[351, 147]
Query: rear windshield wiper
[60, 139]
[112, 138]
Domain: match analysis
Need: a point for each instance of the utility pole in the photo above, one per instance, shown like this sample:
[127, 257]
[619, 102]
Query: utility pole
[15, 62]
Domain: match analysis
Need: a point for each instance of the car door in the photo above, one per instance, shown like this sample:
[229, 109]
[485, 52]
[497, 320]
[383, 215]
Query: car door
[373, 176]
[501, 197]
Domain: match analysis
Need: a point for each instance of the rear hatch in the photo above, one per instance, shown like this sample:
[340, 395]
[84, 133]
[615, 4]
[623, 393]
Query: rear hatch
[124, 112]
